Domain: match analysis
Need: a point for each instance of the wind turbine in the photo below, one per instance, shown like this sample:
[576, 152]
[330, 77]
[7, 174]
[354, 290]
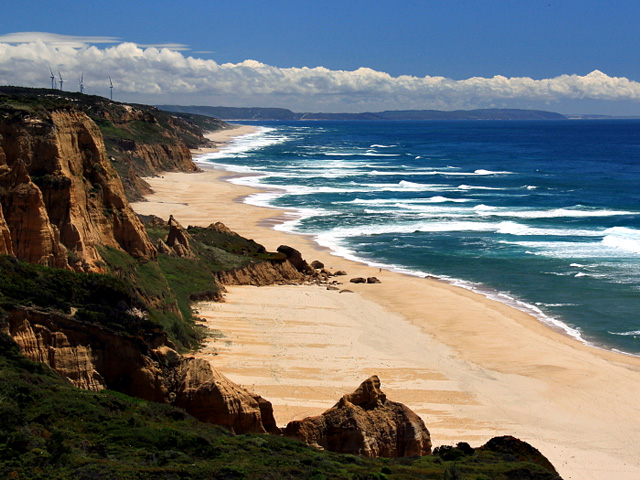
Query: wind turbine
[111, 87]
[61, 80]
[53, 77]
[82, 83]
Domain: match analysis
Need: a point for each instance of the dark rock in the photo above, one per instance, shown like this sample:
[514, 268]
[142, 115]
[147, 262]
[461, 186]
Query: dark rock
[317, 264]
[358, 280]
[340, 273]
[373, 280]
[295, 257]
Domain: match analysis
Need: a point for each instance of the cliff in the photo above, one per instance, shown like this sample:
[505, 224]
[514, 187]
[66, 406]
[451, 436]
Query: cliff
[140, 140]
[60, 197]
[143, 365]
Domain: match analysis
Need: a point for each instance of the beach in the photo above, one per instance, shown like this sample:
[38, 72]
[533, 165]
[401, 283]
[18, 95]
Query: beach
[471, 367]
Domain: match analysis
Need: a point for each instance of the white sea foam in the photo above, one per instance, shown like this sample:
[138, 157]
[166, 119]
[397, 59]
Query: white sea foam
[632, 333]
[403, 186]
[404, 201]
[482, 171]
[622, 238]
[573, 250]
[518, 229]
[241, 145]
[477, 187]
[577, 211]
[551, 305]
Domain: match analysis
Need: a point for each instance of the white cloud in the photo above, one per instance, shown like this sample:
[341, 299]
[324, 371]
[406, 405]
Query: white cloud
[164, 75]
[55, 39]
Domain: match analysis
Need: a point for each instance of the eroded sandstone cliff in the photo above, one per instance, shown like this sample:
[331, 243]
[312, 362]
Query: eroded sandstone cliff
[61, 198]
[144, 365]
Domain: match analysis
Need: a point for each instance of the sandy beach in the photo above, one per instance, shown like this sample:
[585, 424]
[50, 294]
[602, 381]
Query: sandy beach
[472, 368]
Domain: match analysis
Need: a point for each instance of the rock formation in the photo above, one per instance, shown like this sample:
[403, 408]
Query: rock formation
[211, 397]
[268, 272]
[5, 236]
[143, 365]
[178, 239]
[295, 257]
[365, 423]
[30, 234]
[61, 198]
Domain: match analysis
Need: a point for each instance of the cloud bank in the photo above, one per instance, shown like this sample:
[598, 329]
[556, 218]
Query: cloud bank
[165, 75]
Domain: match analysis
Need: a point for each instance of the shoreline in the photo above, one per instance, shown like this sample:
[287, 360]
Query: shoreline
[472, 367]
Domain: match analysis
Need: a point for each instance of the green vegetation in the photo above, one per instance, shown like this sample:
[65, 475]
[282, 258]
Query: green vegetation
[170, 284]
[50, 430]
[98, 299]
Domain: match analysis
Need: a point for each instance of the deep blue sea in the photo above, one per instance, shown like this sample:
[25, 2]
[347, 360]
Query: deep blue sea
[542, 215]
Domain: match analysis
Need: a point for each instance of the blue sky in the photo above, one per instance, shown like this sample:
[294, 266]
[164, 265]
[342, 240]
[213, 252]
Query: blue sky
[455, 40]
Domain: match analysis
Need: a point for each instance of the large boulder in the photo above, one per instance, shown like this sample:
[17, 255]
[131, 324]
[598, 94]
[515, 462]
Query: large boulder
[365, 423]
[210, 397]
[295, 257]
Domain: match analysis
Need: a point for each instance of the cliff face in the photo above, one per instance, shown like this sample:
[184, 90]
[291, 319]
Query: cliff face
[60, 196]
[263, 273]
[145, 366]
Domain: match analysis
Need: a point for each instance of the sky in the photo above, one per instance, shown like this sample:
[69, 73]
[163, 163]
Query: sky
[569, 56]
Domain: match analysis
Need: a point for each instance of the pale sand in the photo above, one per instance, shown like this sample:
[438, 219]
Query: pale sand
[471, 367]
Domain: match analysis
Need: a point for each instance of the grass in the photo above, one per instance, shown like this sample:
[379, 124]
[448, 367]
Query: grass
[50, 430]
[169, 284]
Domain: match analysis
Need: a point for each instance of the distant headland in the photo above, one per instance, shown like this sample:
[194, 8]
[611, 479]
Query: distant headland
[283, 114]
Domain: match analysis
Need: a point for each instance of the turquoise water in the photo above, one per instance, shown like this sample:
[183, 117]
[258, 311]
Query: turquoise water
[544, 216]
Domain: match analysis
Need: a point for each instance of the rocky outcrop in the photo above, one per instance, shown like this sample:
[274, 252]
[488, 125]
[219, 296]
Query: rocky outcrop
[60, 196]
[211, 397]
[365, 423]
[178, 239]
[5, 236]
[27, 228]
[295, 257]
[42, 343]
[268, 272]
[144, 365]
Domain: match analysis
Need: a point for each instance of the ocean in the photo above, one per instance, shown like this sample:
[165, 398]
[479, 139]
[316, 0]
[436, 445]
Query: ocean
[541, 215]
